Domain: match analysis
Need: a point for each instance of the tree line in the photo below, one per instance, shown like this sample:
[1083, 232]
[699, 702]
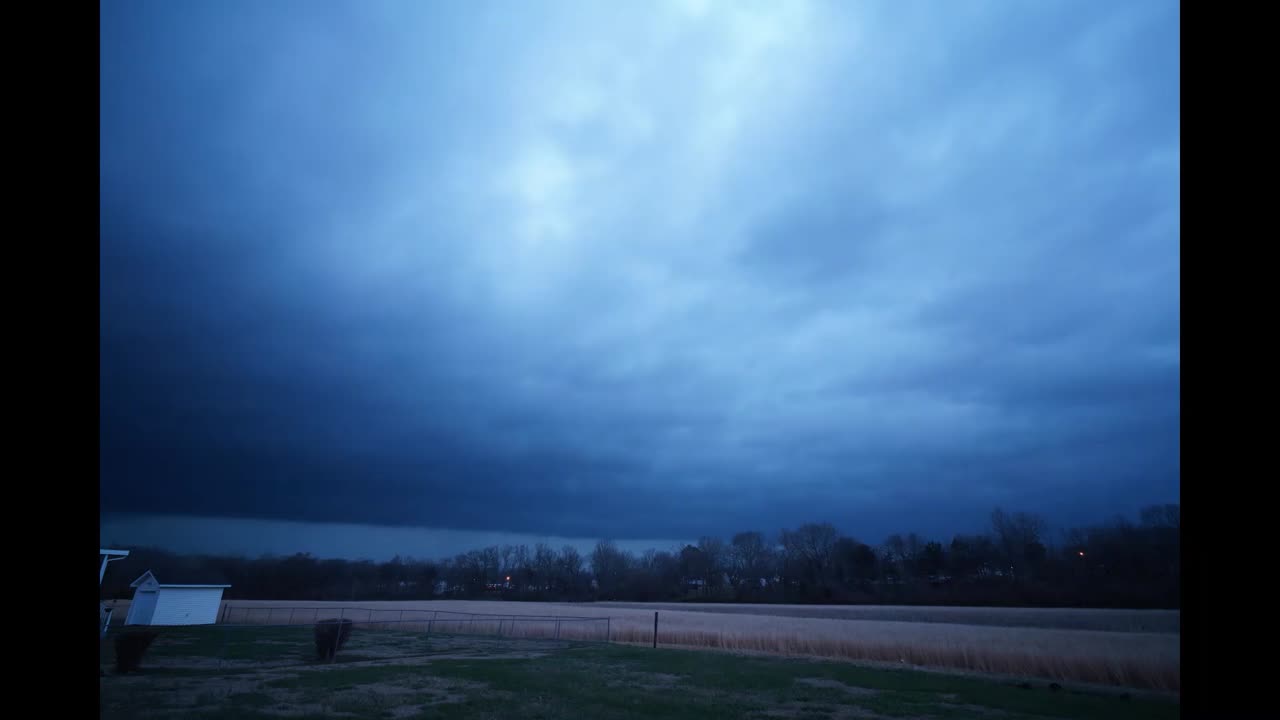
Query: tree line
[1119, 563]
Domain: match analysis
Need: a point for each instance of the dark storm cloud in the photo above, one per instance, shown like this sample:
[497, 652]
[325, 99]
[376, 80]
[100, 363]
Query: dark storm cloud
[641, 275]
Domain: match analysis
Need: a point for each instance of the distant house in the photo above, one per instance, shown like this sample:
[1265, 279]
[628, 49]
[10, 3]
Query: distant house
[155, 603]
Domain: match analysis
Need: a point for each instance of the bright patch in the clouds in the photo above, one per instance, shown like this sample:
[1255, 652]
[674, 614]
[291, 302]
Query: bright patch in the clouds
[692, 8]
[540, 180]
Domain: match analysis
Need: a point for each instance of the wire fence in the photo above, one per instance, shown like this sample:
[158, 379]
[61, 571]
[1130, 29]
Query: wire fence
[446, 622]
[279, 637]
[442, 621]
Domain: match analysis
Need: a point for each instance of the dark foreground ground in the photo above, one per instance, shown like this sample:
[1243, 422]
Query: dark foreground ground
[195, 674]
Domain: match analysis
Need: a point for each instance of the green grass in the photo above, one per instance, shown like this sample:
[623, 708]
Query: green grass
[595, 683]
[604, 682]
[347, 677]
[241, 645]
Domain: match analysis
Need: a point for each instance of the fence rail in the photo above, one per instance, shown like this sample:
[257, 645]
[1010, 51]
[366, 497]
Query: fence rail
[569, 627]
[303, 614]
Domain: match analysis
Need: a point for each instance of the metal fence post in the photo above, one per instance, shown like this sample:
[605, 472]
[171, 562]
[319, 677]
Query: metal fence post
[655, 629]
[291, 615]
[222, 652]
[557, 628]
[608, 629]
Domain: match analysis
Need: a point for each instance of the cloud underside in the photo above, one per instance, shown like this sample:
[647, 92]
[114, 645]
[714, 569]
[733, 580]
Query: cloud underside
[596, 271]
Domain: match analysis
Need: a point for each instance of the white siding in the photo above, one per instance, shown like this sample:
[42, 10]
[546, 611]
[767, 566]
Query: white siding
[187, 606]
[142, 607]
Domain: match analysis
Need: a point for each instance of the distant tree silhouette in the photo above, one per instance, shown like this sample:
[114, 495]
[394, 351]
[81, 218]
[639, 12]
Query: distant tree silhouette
[1117, 563]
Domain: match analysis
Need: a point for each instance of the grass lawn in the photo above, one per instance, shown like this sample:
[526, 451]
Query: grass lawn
[500, 678]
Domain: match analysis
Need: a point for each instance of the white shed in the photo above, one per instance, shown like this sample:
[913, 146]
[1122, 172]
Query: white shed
[157, 604]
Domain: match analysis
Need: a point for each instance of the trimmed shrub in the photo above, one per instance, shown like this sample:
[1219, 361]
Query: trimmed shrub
[130, 647]
[331, 635]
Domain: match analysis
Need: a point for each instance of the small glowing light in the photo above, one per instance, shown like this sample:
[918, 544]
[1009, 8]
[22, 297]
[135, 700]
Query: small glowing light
[509, 577]
[1081, 553]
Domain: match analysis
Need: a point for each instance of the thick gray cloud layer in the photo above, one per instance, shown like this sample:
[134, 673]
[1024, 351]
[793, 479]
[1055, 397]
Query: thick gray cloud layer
[639, 269]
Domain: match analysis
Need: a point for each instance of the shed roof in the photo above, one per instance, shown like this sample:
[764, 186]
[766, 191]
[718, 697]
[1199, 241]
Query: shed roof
[143, 578]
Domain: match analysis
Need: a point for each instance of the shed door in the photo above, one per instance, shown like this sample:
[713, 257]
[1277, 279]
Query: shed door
[142, 608]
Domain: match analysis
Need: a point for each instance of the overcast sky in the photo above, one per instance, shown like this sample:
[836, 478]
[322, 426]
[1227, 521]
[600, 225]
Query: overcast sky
[635, 269]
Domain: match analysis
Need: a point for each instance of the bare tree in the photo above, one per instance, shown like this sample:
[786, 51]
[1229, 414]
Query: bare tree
[610, 566]
[912, 549]
[491, 557]
[1162, 516]
[693, 564]
[808, 553]
[664, 573]
[521, 567]
[715, 558]
[895, 555]
[545, 566]
[647, 558]
[506, 566]
[571, 570]
[750, 558]
[1019, 537]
